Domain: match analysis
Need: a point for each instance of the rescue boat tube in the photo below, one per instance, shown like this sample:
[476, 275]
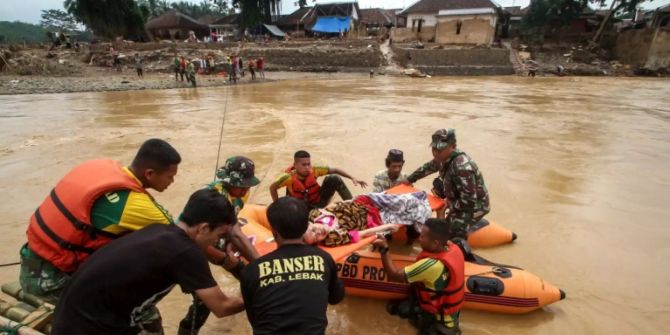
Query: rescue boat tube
[490, 288]
[484, 234]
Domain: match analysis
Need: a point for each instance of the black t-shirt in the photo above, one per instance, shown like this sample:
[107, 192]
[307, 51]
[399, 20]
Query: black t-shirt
[288, 290]
[109, 292]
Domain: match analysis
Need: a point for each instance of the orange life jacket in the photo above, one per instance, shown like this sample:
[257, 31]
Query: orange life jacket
[450, 299]
[307, 189]
[60, 230]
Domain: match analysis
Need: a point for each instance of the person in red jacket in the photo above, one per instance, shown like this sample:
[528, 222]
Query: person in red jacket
[300, 181]
[437, 279]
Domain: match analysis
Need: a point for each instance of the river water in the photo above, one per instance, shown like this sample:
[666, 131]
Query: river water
[577, 167]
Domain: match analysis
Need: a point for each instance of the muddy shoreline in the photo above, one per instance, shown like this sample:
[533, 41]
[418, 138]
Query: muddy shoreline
[128, 81]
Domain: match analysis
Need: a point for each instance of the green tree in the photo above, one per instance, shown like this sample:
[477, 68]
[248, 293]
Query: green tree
[109, 18]
[550, 14]
[22, 32]
[544, 14]
[257, 11]
[154, 8]
[57, 20]
[625, 7]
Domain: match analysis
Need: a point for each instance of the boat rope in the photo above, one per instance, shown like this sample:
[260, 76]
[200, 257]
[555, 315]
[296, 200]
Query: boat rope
[9, 264]
[223, 119]
[11, 330]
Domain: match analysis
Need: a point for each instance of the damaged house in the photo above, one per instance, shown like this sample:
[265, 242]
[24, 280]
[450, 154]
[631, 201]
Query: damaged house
[470, 22]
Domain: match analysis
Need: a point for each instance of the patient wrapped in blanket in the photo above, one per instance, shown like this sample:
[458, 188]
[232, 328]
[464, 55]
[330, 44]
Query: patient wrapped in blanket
[349, 221]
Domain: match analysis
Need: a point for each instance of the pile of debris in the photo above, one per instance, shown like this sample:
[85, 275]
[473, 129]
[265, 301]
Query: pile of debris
[577, 60]
[39, 62]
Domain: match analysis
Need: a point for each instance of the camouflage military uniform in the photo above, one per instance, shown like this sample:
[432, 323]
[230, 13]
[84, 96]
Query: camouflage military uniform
[238, 171]
[462, 184]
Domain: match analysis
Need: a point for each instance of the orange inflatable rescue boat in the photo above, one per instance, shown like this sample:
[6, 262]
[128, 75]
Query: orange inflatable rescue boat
[483, 234]
[489, 287]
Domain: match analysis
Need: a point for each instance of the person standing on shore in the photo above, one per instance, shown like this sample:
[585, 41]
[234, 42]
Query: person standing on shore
[175, 63]
[232, 77]
[251, 65]
[190, 72]
[240, 66]
[116, 62]
[182, 67]
[139, 65]
[260, 66]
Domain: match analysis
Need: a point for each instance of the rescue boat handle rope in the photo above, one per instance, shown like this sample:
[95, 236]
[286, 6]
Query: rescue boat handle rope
[9, 264]
[10, 329]
[223, 119]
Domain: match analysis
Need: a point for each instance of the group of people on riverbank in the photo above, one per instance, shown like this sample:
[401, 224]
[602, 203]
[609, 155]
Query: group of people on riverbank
[104, 279]
[234, 67]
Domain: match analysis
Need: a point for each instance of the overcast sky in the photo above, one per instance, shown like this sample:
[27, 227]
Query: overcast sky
[30, 10]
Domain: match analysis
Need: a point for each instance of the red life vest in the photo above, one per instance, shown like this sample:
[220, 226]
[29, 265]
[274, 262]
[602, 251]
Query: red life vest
[450, 299]
[307, 189]
[60, 230]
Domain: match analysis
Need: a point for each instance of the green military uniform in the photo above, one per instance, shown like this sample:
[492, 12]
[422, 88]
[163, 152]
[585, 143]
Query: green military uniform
[238, 171]
[460, 182]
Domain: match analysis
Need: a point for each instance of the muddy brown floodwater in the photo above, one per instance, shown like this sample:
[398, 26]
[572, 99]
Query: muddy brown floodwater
[579, 168]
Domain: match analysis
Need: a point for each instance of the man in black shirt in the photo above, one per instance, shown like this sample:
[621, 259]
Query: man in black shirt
[120, 282]
[288, 290]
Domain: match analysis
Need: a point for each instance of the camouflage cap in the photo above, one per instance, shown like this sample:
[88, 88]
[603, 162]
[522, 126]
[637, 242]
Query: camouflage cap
[238, 172]
[443, 138]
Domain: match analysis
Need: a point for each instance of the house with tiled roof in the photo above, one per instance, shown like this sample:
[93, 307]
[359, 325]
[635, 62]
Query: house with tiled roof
[295, 22]
[227, 27]
[175, 25]
[450, 22]
[375, 20]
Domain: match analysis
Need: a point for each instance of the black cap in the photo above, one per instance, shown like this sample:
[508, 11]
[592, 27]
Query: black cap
[395, 155]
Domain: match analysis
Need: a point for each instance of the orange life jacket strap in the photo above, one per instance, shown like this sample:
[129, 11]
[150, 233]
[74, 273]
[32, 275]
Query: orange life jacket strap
[61, 242]
[79, 225]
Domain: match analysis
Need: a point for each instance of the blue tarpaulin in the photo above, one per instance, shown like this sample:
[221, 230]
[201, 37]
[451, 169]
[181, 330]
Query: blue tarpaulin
[332, 24]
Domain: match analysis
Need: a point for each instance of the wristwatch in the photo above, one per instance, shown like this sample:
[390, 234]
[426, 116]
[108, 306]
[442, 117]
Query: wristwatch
[383, 250]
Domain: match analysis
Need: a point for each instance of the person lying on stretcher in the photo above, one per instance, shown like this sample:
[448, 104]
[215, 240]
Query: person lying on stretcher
[326, 230]
[349, 221]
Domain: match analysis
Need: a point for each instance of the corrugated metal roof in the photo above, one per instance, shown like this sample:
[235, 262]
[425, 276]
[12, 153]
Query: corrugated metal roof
[466, 11]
